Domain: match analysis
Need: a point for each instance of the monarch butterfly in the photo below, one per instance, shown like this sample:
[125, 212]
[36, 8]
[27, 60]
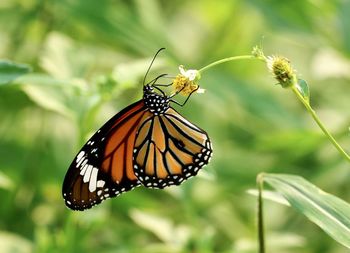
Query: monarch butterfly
[148, 143]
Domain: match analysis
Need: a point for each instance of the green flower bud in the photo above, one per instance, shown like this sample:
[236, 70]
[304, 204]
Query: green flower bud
[282, 70]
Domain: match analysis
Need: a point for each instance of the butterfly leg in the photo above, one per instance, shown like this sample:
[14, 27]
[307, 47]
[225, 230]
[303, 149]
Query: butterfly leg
[182, 104]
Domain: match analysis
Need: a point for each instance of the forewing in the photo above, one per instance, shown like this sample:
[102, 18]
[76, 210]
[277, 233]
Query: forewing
[169, 149]
[103, 168]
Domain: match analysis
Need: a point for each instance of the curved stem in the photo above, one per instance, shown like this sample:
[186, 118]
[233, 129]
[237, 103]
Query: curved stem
[234, 58]
[319, 123]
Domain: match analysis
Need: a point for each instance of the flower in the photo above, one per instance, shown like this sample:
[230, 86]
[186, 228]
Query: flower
[282, 70]
[185, 82]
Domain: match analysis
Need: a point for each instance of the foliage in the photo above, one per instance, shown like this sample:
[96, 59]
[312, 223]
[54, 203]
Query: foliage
[88, 59]
[327, 211]
[10, 71]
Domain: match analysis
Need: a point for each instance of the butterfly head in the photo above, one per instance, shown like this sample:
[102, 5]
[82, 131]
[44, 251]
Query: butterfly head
[155, 102]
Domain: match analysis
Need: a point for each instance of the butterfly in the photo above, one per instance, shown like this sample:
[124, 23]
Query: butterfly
[148, 143]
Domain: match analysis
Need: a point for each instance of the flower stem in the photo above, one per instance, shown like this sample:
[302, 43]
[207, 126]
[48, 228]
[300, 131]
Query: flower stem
[234, 58]
[260, 214]
[319, 123]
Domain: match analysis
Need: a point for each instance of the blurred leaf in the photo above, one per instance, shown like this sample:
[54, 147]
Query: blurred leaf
[62, 58]
[344, 23]
[303, 89]
[46, 99]
[55, 56]
[280, 242]
[12, 243]
[280, 14]
[270, 195]
[163, 228]
[327, 211]
[9, 71]
[49, 93]
[5, 181]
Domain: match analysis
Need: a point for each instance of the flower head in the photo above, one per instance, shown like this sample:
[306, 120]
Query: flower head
[185, 82]
[282, 70]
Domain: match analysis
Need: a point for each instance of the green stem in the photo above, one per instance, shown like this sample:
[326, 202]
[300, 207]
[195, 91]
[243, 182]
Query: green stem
[260, 214]
[319, 123]
[234, 58]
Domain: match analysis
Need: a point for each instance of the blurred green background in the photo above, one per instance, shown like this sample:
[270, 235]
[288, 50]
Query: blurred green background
[89, 58]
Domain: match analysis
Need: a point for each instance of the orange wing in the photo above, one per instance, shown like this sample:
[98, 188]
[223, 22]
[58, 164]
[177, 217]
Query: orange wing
[169, 149]
[103, 168]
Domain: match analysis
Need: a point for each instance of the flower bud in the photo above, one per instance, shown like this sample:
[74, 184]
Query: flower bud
[282, 70]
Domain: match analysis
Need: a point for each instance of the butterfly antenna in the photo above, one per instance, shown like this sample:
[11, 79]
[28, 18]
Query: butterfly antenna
[154, 57]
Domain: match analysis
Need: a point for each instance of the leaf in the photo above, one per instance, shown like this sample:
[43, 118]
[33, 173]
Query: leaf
[9, 71]
[270, 195]
[55, 56]
[163, 228]
[325, 210]
[47, 92]
[303, 89]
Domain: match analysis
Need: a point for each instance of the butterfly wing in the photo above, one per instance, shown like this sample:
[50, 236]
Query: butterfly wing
[169, 149]
[103, 168]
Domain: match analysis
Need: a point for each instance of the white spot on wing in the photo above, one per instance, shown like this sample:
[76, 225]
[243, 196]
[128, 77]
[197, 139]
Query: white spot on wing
[87, 174]
[80, 161]
[93, 180]
[80, 155]
[83, 170]
[100, 183]
[84, 161]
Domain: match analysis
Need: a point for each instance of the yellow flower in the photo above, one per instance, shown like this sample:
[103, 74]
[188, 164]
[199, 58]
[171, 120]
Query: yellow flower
[185, 82]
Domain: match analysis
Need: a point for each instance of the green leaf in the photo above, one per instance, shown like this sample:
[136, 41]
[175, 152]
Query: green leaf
[270, 195]
[163, 228]
[303, 89]
[325, 210]
[47, 92]
[9, 71]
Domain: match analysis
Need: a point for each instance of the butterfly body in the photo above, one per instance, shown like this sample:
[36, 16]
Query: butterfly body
[148, 143]
[156, 103]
